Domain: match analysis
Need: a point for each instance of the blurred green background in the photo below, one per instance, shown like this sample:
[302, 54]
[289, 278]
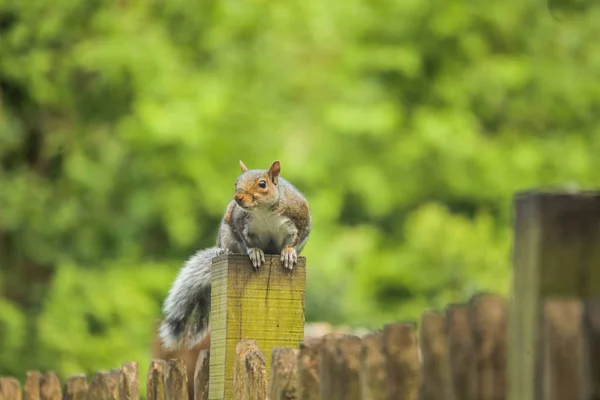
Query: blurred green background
[409, 125]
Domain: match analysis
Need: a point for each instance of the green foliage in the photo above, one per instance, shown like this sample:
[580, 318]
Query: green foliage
[12, 336]
[91, 316]
[408, 125]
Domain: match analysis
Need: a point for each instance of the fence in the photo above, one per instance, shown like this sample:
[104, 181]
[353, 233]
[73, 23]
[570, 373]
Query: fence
[460, 353]
[467, 352]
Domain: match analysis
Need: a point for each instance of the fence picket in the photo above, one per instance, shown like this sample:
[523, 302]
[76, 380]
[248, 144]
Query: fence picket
[50, 387]
[31, 389]
[489, 324]
[283, 383]
[435, 384]
[100, 387]
[327, 365]
[76, 388]
[255, 375]
[176, 387]
[374, 380]
[591, 352]
[460, 352]
[10, 389]
[155, 382]
[113, 382]
[562, 355]
[403, 366]
[309, 384]
[201, 375]
[242, 349]
[348, 352]
[129, 386]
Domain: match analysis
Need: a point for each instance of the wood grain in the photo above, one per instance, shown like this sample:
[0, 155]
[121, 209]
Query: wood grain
[265, 305]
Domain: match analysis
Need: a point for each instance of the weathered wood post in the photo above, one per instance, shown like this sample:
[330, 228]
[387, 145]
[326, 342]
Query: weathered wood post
[436, 383]
[265, 305]
[76, 388]
[129, 386]
[10, 389]
[374, 380]
[283, 383]
[50, 388]
[102, 386]
[348, 352]
[307, 370]
[201, 375]
[460, 351]
[401, 350]
[556, 255]
[488, 324]
[31, 389]
[327, 365]
[155, 380]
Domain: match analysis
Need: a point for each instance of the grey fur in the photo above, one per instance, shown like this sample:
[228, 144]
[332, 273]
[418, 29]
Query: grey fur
[188, 296]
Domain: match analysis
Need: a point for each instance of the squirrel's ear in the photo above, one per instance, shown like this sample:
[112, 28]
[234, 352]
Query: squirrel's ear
[243, 167]
[274, 170]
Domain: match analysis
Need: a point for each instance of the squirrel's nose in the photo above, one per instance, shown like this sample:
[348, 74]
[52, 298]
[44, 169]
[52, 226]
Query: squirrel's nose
[239, 197]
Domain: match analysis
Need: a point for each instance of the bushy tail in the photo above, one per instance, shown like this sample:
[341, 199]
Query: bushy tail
[187, 306]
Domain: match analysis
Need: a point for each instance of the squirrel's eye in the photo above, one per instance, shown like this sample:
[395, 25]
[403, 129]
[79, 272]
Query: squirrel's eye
[262, 184]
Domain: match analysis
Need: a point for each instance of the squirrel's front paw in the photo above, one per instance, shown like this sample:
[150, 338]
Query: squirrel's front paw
[289, 257]
[257, 257]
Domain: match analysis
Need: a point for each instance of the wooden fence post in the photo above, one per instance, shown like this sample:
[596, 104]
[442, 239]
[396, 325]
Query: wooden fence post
[50, 387]
[32, 385]
[155, 382]
[129, 386]
[401, 351]
[242, 349]
[374, 380]
[201, 375]
[283, 382]
[489, 324]
[309, 377]
[176, 387]
[265, 305]
[250, 377]
[460, 351]
[10, 389]
[255, 372]
[562, 354]
[435, 366]
[101, 387]
[348, 352]
[113, 382]
[556, 254]
[327, 365]
[76, 388]
[591, 347]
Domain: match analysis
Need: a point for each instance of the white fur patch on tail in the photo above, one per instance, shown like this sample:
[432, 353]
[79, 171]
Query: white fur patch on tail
[187, 306]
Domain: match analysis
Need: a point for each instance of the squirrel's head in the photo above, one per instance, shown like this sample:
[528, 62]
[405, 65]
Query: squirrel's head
[257, 188]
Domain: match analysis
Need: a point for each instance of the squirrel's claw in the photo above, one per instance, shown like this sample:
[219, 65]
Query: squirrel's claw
[222, 250]
[257, 257]
[289, 257]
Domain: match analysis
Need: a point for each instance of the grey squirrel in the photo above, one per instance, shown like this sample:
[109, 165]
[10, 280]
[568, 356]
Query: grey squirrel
[267, 215]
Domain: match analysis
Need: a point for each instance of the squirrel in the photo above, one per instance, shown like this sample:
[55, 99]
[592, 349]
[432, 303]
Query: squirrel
[267, 215]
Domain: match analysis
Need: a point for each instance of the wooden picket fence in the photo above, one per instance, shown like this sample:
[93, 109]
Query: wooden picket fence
[547, 346]
[460, 353]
